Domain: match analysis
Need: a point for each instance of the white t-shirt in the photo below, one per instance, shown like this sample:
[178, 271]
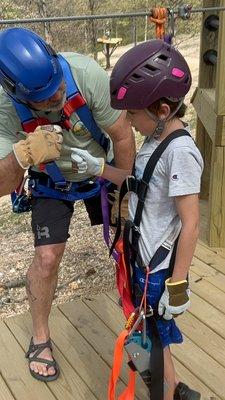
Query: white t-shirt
[178, 172]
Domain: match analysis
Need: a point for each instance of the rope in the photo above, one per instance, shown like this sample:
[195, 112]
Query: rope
[159, 17]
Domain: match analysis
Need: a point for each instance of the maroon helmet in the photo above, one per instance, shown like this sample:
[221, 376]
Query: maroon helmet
[148, 72]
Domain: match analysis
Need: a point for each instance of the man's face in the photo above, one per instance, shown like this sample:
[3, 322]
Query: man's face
[53, 103]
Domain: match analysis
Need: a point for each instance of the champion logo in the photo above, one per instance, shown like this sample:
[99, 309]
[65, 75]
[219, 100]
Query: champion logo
[175, 177]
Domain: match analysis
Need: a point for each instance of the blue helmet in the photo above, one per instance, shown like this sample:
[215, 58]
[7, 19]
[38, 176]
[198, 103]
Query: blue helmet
[29, 67]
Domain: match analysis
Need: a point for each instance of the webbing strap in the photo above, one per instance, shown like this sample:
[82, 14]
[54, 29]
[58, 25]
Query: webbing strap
[156, 364]
[128, 393]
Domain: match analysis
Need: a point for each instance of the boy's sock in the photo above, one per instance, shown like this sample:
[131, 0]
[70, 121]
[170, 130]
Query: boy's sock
[183, 392]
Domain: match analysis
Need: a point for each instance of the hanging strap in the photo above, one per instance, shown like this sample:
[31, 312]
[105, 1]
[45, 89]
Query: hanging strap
[129, 392]
[159, 17]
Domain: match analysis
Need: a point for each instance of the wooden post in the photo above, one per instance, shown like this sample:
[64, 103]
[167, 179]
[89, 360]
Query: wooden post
[209, 102]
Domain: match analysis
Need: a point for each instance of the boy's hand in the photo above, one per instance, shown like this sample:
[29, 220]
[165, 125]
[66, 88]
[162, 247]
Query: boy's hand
[84, 162]
[41, 146]
[175, 299]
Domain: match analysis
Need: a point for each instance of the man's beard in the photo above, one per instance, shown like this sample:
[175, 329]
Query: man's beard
[57, 107]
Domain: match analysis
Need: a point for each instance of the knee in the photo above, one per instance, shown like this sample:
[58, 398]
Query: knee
[47, 263]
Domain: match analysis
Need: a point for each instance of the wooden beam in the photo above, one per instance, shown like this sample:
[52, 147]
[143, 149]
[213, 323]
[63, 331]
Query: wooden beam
[217, 199]
[207, 73]
[220, 73]
[203, 103]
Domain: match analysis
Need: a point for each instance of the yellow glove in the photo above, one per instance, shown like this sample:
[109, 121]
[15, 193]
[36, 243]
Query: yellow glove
[175, 299]
[115, 207]
[41, 146]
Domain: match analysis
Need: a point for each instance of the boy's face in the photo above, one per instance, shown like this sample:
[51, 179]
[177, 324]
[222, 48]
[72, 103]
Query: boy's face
[53, 103]
[141, 122]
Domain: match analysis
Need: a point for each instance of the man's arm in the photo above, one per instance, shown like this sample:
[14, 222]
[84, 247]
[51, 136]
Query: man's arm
[11, 174]
[41, 146]
[123, 142]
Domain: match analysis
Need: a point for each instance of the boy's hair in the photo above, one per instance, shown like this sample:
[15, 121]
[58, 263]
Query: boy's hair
[155, 107]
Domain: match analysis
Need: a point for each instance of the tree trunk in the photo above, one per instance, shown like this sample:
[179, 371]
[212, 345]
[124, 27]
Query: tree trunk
[42, 9]
[92, 5]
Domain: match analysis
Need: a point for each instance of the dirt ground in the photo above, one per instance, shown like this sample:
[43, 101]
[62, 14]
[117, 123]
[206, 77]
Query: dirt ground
[86, 268]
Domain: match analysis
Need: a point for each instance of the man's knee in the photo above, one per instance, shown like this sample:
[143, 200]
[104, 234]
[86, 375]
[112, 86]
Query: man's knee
[47, 259]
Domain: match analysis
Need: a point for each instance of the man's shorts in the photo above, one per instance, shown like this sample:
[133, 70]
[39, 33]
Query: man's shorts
[51, 218]
[168, 331]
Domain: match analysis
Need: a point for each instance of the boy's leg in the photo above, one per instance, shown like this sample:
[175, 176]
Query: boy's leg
[169, 374]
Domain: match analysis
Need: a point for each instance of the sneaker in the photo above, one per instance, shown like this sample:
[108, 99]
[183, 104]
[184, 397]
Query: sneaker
[183, 392]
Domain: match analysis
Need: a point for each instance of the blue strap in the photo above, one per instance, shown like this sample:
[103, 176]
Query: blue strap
[23, 112]
[73, 194]
[83, 112]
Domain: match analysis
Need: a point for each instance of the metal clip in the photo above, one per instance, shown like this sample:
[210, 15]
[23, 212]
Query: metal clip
[184, 12]
[144, 332]
[136, 324]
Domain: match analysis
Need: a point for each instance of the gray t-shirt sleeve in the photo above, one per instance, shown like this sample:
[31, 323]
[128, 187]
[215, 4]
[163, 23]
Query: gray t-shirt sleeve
[97, 94]
[184, 168]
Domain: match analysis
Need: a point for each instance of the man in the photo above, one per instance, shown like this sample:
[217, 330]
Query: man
[38, 82]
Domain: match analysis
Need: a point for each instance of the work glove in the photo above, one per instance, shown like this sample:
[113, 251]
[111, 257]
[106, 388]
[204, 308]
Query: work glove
[115, 207]
[174, 300]
[86, 163]
[41, 146]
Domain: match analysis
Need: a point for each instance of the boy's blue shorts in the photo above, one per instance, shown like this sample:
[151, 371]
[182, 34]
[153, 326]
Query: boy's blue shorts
[168, 331]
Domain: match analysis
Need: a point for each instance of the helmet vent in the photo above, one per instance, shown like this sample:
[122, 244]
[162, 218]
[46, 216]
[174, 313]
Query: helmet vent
[150, 69]
[136, 77]
[163, 57]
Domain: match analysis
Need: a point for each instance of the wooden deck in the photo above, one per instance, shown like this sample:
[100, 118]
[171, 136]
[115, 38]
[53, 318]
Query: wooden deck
[84, 333]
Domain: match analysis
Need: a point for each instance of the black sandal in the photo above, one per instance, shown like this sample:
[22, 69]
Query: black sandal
[37, 349]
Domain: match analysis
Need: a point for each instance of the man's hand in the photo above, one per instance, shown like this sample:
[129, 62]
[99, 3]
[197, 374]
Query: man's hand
[41, 146]
[84, 162]
[175, 299]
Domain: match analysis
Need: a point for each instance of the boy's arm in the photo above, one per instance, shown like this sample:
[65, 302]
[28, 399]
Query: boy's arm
[188, 210]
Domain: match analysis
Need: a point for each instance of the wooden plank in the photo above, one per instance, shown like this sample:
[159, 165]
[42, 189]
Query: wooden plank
[204, 337]
[203, 366]
[13, 368]
[208, 256]
[100, 337]
[217, 199]
[114, 319]
[5, 393]
[204, 107]
[204, 144]
[207, 291]
[208, 315]
[209, 274]
[88, 371]
[215, 250]
[69, 385]
[192, 381]
[220, 78]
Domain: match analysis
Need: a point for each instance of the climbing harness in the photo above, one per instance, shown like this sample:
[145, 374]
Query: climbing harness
[145, 354]
[55, 185]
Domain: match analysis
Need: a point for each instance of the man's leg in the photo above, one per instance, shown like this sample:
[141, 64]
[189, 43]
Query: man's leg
[50, 225]
[41, 285]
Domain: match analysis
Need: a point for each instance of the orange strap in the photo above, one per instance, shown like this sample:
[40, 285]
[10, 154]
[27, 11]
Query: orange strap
[159, 17]
[129, 392]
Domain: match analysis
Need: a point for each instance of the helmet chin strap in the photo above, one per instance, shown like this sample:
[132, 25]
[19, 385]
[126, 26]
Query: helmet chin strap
[161, 122]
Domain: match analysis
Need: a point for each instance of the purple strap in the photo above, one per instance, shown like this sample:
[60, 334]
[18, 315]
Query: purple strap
[105, 215]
